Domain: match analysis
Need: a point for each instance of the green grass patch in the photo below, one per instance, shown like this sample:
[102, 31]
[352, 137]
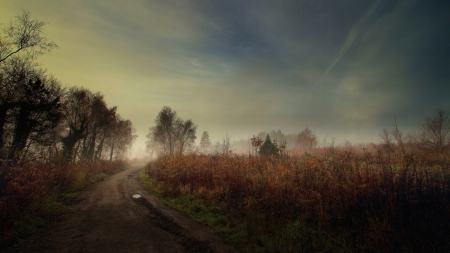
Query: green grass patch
[99, 177]
[80, 181]
[37, 216]
[232, 228]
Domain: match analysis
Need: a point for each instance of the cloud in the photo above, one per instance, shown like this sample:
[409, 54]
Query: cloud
[341, 68]
[350, 39]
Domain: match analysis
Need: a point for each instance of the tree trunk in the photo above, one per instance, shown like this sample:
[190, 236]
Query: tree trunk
[98, 153]
[91, 148]
[112, 152]
[3, 112]
[22, 131]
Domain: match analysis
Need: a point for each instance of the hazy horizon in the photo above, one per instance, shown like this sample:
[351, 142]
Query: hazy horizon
[346, 69]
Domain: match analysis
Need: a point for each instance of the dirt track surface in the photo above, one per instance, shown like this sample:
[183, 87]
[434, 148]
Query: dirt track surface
[108, 219]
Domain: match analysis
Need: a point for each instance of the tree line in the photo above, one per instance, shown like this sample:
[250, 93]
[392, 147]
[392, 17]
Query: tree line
[433, 139]
[172, 135]
[40, 119]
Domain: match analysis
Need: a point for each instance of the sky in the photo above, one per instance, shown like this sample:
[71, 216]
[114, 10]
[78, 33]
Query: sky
[345, 69]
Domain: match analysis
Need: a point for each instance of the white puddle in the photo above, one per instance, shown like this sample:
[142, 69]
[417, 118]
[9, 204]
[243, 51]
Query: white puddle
[136, 196]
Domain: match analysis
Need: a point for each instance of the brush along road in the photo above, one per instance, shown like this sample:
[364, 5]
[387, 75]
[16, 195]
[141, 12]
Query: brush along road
[118, 215]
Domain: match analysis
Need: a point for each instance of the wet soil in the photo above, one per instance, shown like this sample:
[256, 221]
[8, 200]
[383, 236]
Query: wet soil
[109, 219]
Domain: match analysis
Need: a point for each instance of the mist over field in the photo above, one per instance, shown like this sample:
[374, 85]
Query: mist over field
[345, 70]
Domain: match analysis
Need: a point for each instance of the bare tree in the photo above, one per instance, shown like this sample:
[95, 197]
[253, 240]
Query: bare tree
[185, 135]
[122, 138]
[282, 148]
[222, 147]
[24, 34]
[329, 148]
[386, 139]
[306, 141]
[173, 134]
[276, 136]
[164, 131]
[226, 144]
[435, 135]
[398, 136]
[151, 145]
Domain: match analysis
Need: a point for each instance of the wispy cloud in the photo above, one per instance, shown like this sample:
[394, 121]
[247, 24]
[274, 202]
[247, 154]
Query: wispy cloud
[349, 40]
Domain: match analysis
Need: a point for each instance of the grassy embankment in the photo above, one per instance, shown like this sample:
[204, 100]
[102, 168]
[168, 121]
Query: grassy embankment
[353, 203]
[34, 194]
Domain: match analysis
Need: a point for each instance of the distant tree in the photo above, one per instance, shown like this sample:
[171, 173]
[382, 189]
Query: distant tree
[226, 144]
[399, 138]
[164, 131]
[222, 147]
[306, 141]
[185, 134]
[435, 136]
[268, 148]
[282, 148]
[277, 136]
[121, 138]
[328, 147]
[205, 142]
[151, 145]
[386, 139]
[256, 142]
[262, 135]
[217, 148]
[24, 34]
[172, 134]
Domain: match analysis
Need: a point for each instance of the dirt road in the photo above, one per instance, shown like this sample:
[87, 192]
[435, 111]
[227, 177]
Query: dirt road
[109, 219]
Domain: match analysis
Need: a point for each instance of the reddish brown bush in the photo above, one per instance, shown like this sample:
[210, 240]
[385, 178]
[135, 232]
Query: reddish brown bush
[28, 186]
[370, 201]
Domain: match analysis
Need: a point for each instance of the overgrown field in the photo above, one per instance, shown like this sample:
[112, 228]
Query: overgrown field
[368, 202]
[32, 194]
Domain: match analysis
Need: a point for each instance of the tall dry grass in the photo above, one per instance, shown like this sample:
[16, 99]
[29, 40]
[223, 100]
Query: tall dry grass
[26, 188]
[370, 202]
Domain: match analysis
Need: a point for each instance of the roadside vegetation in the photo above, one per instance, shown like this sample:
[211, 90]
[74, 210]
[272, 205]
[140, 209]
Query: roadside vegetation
[35, 194]
[388, 197]
[53, 140]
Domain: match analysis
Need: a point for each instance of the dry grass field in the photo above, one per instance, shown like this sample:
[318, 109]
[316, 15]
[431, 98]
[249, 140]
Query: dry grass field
[367, 202]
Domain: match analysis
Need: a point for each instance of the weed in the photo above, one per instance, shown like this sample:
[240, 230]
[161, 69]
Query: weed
[33, 194]
[354, 202]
